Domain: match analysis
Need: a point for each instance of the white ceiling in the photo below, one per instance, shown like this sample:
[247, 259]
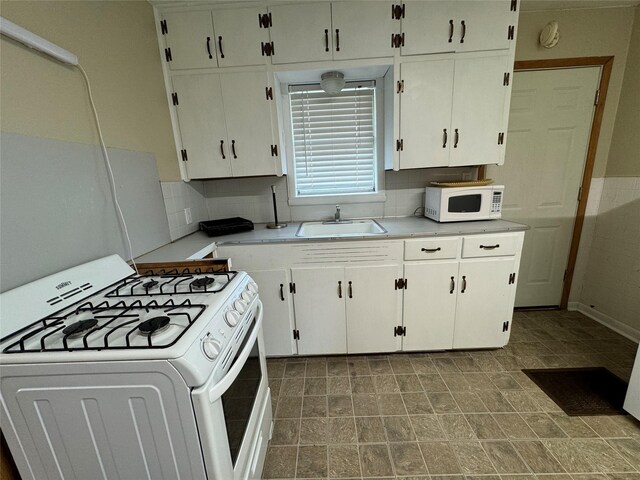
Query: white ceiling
[537, 5]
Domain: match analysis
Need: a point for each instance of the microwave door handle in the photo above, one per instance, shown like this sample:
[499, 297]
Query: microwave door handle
[220, 387]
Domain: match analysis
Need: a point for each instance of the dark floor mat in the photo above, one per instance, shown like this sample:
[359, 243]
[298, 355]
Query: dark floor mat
[582, 391]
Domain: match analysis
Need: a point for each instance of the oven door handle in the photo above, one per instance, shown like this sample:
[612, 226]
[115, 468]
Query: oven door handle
[220, 387]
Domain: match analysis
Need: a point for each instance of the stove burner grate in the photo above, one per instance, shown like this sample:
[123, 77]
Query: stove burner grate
[202, 282]
[173, 282]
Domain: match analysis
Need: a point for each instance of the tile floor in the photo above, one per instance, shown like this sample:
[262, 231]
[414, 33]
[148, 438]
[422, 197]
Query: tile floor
[452, 415]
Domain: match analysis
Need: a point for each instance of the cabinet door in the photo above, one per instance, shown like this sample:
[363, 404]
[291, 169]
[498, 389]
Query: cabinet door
[278, 325]
[485, 302]
[430, 305]
[239, 37]
[187, 34]
[427, 27]
[425, 113]
[374, 308]
[301, 33]
[202, 125]
[319, 310]
[250, 136]
[486, 25]
[362, 31]
[479, 97]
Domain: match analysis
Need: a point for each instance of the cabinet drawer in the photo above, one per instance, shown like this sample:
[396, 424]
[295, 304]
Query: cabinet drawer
[490, 245]
[431, 249]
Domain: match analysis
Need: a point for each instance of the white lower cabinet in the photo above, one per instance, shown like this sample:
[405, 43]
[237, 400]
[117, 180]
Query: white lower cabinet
[430, 304]
[485, 302]
[273, 286]
[320, 310]
[374, 308]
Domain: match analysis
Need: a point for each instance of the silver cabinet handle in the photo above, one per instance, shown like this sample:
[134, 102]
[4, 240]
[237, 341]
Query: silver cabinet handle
[453, 285]
[464, 284]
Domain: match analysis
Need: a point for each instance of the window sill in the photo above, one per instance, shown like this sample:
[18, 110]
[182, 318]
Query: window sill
[378, 197]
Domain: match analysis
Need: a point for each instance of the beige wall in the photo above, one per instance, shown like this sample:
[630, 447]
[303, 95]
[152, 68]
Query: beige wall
[624, 155]
[116, 44]
[584, 33]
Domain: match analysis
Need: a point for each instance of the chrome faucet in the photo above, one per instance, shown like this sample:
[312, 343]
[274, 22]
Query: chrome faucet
[337, 216]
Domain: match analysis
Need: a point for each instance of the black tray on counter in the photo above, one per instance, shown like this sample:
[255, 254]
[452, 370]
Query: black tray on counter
[226, 226]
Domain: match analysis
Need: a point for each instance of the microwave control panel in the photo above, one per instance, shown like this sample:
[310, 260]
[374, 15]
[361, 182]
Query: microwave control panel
[496, 202]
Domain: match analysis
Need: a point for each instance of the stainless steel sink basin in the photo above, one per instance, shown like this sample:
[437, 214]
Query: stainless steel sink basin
[347, 228]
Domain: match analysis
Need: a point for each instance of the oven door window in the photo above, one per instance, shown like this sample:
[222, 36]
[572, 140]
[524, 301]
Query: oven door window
[238, 400]
[465, 203]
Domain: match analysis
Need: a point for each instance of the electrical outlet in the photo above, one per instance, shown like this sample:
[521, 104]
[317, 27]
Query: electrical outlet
[187, 216]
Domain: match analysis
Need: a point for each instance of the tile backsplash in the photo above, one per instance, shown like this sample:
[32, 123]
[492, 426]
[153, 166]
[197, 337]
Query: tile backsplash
[179, 196]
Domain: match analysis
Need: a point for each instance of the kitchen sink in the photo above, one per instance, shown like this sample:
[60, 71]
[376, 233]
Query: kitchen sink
[344, 228]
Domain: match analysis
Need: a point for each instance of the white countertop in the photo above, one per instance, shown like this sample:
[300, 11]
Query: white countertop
[198, 244]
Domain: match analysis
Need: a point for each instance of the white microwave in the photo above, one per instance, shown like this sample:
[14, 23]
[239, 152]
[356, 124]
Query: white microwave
[461, 204]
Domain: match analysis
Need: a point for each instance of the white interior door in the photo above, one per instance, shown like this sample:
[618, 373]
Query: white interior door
[425, 113]
[549, 128]
[362, 31]
[374, 308]
[249, 146]
[202, 125]
[187, 34]
[320, 310]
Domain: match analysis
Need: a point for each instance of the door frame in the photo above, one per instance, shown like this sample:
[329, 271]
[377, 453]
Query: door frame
[605, 64]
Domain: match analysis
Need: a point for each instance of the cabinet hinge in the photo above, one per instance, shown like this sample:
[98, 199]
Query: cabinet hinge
[400, 331]
[596, 100]
[505, 326]
[269, 93]
[264, 20]
[274, 150]
[167, 54]
[511, 32]
[397, 40]
[292, 287]
[401, 283]
[512, 278]
[505, 78]
[267, 49]
[514, 5]
[174, 98]
[400, 87]
[183, 152]
[163, 27]
[500, 138]
[397, 12]
[399, 145]
[296, 334]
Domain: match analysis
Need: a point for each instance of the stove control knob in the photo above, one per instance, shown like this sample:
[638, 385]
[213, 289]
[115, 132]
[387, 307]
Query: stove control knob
[240, 306]
[211, 348]
[252, 287]
[231, 317]
[247, 296]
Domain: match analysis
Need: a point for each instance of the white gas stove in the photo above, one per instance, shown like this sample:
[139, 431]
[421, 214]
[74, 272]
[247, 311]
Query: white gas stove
[108, 374]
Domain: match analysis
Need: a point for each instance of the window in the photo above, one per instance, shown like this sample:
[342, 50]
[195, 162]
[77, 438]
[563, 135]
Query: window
[334, 141]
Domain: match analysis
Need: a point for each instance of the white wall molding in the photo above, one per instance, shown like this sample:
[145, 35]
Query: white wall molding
[604, 319]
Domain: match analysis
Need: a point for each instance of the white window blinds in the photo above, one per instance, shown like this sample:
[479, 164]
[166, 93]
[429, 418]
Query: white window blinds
[334, 139]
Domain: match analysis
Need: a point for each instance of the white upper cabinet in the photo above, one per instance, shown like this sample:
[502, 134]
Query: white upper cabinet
[425, 113]
[216, 138]
[362, 30]
[452, 112]
[189, 40]
[479, 113]
[239, 36]
[460, 26]
[484, 25]
[202, 125]
[249, 138]
[428, 27]
[301, 33]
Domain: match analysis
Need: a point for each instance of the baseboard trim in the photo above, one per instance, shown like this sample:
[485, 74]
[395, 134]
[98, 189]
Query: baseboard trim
[610, 322]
